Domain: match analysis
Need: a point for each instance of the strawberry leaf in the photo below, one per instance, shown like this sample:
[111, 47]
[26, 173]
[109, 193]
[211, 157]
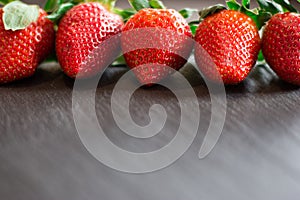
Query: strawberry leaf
[233, 5]
[4, 2]
[157, 4]
[260, 56]
[270, 6]
[187, 12]
[260, 17]
[119, 61]
[60, 12]
[139, 4]
[246, 3]
[287, 5]
[51, 5]
[211, 10]
[124, 13]
[193, 27]
[18, 15]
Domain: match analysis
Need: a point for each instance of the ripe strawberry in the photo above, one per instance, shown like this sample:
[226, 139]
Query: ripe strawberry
[281, 46]
[232, 43]
[167, 32]
[79, 37]
[21, 51]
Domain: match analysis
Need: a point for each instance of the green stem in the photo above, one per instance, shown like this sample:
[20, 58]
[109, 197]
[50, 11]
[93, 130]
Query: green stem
[4, 2]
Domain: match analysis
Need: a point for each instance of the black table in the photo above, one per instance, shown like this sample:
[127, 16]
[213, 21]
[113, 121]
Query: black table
[256, 157]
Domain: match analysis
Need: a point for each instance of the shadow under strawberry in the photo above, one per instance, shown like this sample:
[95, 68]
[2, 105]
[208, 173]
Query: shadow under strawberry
[44, 74]
[261, 80]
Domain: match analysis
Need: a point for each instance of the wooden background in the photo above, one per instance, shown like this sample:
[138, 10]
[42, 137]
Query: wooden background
[257, 156]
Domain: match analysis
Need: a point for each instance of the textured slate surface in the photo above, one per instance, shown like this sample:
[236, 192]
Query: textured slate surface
[257, 156]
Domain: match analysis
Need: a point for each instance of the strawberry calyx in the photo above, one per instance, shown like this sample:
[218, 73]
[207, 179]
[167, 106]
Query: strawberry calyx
[156, 4]
[137, 5]
[276, 6]
[210, 11]
[124, 13]
[141, 4]
[259, 16]
[202, 13]
[264, 12]
[58, 11]
[58, 8]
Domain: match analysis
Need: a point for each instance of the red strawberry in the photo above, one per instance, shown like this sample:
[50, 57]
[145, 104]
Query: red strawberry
[163, 29]
[232, 41]
[281, 46]
[79, 37]
[21, 51]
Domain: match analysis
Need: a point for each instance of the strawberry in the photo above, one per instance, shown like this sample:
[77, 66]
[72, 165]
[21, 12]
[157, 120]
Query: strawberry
[23, 47]
[229, 44]
[166, 31]
[281, 46]
[80, 34]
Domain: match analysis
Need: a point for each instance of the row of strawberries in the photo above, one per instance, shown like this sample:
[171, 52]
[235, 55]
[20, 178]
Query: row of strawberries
[88, 36]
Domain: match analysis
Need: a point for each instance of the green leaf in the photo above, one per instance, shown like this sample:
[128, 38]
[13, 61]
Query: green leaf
[139, 4]
[187, 12]
[269, 6]
[211, 10]
[246, 3]
[262, 18]
[60, 12]
[18, 16]
[119, 61]
[193, 28]
[233, 5]
[4, 2]
[253, 14]
[157, 4]
[259, 16]
[260, 56]
[125, 14]
[51, 5]
[287, 5]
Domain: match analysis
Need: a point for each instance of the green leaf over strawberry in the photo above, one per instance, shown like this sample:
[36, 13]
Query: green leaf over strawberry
[27, 38]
